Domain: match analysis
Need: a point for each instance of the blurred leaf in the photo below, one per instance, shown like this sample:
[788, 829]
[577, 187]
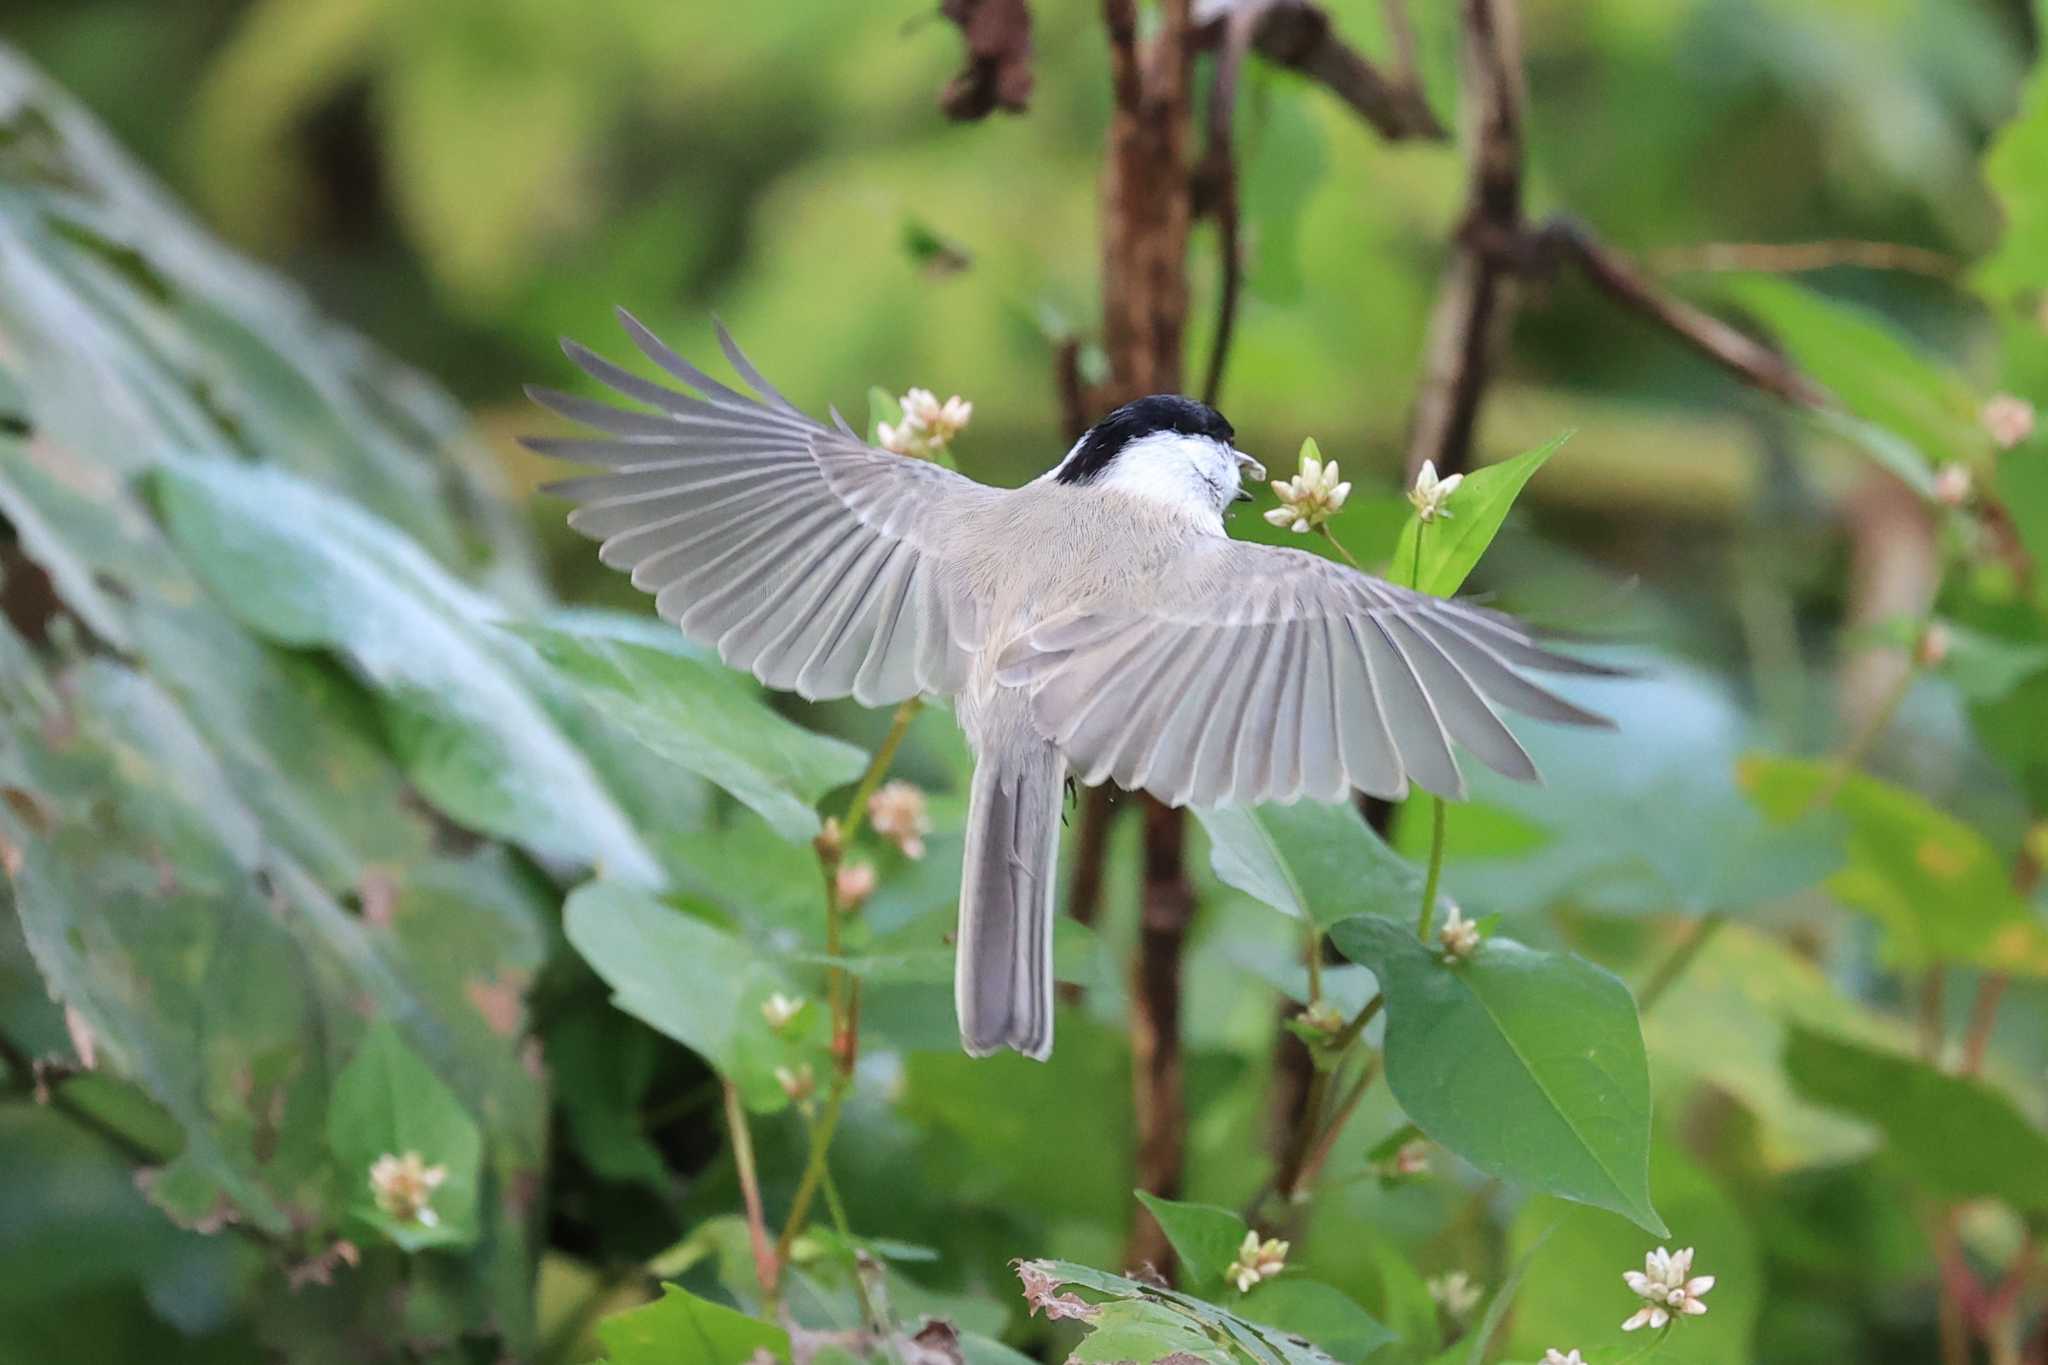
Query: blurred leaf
[1317, 861]
[2022, 481]
[1472, 517]
[1205, 1237]
[672, 970]
[681, 1329]
[307, 569]
[1527, 1064]
[1573, 1295]
[387, 1102]
[883, 407]
[1607, 805]
[2012, 167]
[1315, 1312]
[704, 720]
[1878, 376]
[1746, 989]
[1956, 1136]
[1941, 892]
[1985, 667]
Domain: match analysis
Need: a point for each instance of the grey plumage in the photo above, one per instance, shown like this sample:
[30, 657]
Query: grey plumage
[1103, 625]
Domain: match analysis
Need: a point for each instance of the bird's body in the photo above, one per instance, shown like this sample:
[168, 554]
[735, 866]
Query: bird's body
[1097, 621]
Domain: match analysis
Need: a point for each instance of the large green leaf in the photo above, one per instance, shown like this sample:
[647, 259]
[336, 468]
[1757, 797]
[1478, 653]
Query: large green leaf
[1957, 1137]
[681, 1329]
[687, 978]
[1314, 860]
[1937, 886]
[1451, 546]
[387, 1102]
[307, 569]
[704, 719]
[1528, 1064]
[1315, 1312]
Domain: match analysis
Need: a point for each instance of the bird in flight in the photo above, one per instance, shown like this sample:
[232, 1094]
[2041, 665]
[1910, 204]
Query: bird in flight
[1097, 622]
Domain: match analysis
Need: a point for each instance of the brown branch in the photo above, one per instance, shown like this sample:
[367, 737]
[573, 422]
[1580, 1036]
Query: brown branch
[1300, 36]
[1216, 188]
[1474, 302]
[1755, 364]
[998, 70]
[1785, 258]
[1147, 208]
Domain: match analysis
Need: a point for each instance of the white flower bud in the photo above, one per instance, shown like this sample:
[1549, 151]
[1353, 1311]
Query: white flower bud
[2010, 420]
[1668, 1288]
[898, 814]
[402, 1185]
[1430, 493]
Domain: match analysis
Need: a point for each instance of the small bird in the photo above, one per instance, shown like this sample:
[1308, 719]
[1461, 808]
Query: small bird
[1097, 621]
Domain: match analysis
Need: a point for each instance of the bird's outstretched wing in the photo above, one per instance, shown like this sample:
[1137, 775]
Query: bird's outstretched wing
[801, 553]
[1267, 674]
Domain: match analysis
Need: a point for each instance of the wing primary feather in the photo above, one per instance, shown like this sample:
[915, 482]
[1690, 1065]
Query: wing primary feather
[1499, 681]
[744, 368]
[1465, 712]
[1412, 717]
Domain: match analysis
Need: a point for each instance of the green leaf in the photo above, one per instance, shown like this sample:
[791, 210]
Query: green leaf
[1206, 1238]
[680, 975]
[681, 1329]
[1956, 1136]
[387, 1102]
[1136, 1329]
[1313, 860]
[1473, 515]
[2022, 481]
[1315, 1312]
[1261, 1342]
[1937, 886]
[304, 568]
[883, 406]
[1527, 1064]
[2012, 168]
[704, 720]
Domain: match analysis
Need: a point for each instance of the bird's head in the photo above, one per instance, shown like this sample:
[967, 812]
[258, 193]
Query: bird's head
[1165, 447]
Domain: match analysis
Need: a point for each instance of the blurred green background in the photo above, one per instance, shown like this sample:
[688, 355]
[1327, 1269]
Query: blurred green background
[463, 181]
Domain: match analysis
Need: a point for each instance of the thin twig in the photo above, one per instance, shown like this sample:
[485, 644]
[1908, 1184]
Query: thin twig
[1667, 972]
[1217, 180]
[1784, 258]
[814, 1169]
[1565, 239]
[1427, 915]
[767, 1266]
[1301, 37]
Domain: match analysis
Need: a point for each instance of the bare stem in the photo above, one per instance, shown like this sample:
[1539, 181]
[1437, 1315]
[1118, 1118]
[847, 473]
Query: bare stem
[1349, 558]
[814, 1168]
[1427, 915]
[1667, 972]
[878, 767]
[767, 1265]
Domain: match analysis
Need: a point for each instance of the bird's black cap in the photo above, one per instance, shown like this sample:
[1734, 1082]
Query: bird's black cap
[1146, 417]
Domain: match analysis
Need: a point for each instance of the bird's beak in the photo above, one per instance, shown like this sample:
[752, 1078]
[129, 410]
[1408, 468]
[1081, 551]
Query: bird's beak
[1251, 467]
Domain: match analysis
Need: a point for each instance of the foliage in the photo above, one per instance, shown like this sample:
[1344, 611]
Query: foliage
[333, 838]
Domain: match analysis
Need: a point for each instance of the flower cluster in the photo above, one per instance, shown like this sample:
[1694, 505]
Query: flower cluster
[1458, 936]
[781, 1010]
[1430, 493]
[853, 884]
[403, 1185]
[2010, 420]
[1668, 1287]
[898, 814]
[928, 425]
[1553, 1356]
[1455, 1292]
[1312, 496]
[1256, 1261]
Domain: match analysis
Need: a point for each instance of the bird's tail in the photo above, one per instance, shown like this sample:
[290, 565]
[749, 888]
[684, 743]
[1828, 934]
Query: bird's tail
[1002, 977]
